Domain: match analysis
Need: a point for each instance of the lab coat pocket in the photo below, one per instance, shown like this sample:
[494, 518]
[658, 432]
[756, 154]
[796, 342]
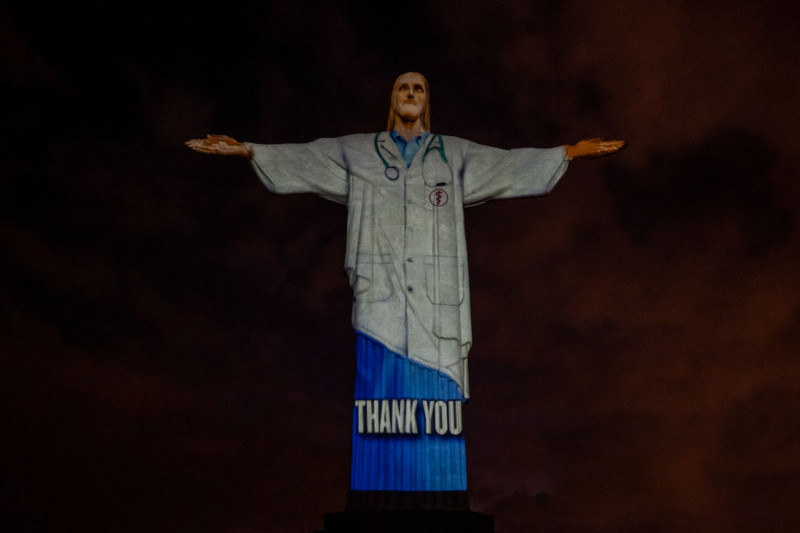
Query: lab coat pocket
[373, 278]
[443, 275]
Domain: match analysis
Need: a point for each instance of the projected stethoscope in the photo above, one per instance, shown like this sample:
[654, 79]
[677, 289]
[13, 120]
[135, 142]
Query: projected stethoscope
[392, 172]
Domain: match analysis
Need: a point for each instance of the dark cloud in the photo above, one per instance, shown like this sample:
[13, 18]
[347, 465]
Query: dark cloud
[762, 430]
[729, 174]
[757, 465]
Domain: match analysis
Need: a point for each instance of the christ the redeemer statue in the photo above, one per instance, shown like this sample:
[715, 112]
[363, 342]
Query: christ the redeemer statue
[405, 190]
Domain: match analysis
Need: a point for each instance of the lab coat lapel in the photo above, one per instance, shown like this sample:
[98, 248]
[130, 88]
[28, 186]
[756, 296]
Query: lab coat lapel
[388, 149]
[434, 144]
[435, 169]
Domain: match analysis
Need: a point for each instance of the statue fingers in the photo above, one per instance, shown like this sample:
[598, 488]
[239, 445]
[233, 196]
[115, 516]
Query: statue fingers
[204, 146]
[617, 145]
[205, 149]
[609, 147]
[196, 144]
[222, 139]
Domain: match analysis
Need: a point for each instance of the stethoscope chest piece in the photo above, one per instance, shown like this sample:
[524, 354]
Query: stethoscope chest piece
[392, 172]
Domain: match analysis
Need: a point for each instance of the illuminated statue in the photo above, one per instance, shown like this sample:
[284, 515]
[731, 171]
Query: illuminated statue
[406, 259]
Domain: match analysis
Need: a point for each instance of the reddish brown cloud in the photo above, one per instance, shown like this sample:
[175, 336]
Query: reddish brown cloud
[178, 353]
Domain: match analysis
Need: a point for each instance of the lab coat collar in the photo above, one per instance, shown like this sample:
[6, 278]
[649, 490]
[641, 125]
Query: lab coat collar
[389, 148]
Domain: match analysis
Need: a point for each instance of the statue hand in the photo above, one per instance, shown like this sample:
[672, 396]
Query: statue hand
[594, 148]
[220, 145]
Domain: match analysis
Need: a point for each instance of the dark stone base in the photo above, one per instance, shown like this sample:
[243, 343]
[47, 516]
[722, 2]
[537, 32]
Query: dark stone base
[407, 521]
[395, 500]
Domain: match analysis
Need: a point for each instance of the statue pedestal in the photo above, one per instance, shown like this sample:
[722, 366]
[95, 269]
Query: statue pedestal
[408, 521]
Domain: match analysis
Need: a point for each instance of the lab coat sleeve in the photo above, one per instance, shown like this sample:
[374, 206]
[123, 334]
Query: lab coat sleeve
[492, 173]
[317, 167]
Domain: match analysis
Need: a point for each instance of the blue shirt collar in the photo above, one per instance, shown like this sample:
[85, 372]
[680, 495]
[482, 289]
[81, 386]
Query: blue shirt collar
[419, 139]
[408, 149]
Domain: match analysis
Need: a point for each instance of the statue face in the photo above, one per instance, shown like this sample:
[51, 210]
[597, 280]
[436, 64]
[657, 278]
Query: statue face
[410, 98]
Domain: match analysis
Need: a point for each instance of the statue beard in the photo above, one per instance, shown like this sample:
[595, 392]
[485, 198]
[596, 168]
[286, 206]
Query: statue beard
[410, 117]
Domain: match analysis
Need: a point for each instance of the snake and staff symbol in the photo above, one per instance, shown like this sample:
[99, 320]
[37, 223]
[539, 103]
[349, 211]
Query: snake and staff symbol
[438, 197]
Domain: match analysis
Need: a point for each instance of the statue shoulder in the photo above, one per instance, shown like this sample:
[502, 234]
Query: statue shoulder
[452, 144]
[451, 139]
[357, 139]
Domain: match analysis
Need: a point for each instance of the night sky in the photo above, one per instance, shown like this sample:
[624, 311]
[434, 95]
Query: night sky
[177, 354]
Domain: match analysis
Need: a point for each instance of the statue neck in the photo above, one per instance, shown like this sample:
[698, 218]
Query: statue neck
[408, 129]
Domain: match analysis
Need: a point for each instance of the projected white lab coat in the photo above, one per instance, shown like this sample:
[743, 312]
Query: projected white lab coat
[406, 255]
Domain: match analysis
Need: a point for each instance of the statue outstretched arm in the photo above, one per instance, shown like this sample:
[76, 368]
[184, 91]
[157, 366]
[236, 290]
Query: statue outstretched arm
[593, 148]
[492, 173]
[317, 167]
[220, 145]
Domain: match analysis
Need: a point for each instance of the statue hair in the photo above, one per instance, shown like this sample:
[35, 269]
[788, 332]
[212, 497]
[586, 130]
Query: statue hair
[426, 116]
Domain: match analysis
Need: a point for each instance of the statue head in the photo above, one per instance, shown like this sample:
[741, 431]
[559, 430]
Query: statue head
[410, 100]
